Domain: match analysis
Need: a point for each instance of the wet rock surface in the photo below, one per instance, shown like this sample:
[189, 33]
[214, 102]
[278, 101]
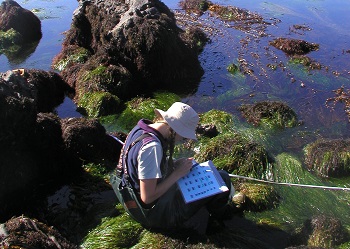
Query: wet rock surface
[136, 45]
[24, 232]
[294, 46]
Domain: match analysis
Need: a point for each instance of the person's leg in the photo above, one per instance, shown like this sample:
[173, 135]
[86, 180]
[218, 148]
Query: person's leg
[172, 211]
[220, 205]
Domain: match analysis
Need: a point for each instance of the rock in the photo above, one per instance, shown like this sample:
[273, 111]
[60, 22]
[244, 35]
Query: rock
[23, 232]
[86, 140]
[207, 130]
[135, 48]
[236, 154]
[329, 158]
[272, 114]
[34, 156]
[322, 231]
[23, 21]
[294, 46]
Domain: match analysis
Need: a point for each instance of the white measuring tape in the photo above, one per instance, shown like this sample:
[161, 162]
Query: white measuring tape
[271, 182]
[290, 184]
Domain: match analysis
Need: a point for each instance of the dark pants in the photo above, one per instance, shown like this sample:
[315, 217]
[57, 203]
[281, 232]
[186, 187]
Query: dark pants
[171, 210]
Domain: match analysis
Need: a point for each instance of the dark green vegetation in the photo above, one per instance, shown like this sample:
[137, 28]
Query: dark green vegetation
[270, 113]
[10, 39]
[329, 158]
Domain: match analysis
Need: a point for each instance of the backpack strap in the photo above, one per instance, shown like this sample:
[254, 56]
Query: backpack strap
[124, 157]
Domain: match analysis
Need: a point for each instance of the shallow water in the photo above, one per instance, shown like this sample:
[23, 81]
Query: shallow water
[55, 16]
[328, 23]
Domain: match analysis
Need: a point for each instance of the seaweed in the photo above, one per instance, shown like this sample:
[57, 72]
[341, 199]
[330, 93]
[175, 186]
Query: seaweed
[273, 114]
[329, 157]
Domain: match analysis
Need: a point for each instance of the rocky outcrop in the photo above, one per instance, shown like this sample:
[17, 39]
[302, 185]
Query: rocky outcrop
[131, 48]
[37, 148]
[13, 16]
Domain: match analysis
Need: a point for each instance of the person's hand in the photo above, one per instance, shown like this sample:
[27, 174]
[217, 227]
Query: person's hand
[183, 166]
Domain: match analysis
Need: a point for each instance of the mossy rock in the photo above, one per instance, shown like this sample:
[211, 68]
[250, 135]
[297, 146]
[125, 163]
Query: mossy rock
[322, 231]
[97, 104]
[10, 39]
[195, 37]
[114, 232]
[141, 107]
[294, 46]
[232, 68]
[305, 61]
[195, 6]
[223, 121]
[235, 154]
[259, 197]
[272, 114]
[73, 56]
[114, 79]
[329, 158]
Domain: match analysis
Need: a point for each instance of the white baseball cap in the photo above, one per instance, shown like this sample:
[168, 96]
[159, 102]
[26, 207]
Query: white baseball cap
[181, 118]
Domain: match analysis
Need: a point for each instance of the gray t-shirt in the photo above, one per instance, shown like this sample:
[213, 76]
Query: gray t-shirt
[149, 159]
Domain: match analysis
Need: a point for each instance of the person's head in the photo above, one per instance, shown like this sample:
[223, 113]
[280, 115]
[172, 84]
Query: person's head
[182, 120]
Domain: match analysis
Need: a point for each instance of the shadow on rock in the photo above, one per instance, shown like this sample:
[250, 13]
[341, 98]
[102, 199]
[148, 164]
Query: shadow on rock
[23, 232]
[129, 49]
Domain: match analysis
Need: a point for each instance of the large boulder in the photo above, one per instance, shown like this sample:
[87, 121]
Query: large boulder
[25, 22]
[128, 48]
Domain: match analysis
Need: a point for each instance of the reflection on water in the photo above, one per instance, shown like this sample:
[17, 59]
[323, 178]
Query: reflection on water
[55, 18]
[21, 55]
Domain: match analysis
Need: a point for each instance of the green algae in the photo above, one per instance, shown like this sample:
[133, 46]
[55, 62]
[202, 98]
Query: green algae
[10, 40]
[236, 154]
[79, 55]
[271, 114]
[97, 170]
[232, 68]
[100, 73]
[151, 240]
[221, 119]
[96, 104]
[114, 232]
[260, 197]
[328, 157]
[293, 210]
[137, 108]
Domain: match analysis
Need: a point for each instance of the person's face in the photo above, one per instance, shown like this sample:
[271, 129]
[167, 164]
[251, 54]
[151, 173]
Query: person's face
[179, 139]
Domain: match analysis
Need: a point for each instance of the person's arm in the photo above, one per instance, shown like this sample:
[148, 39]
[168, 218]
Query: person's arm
[151, 191]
